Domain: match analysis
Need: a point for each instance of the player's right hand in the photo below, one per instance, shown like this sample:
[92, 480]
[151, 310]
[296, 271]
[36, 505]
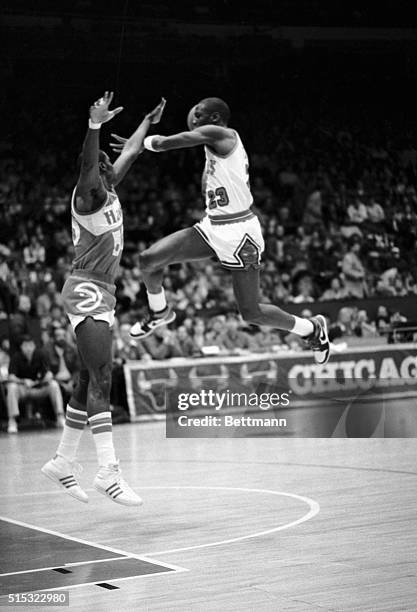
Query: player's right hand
[100, 113]
[118, 146]
[155, 115]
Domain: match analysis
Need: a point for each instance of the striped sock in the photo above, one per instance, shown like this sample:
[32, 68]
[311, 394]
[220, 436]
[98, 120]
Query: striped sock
[101, 427]
[75, 420]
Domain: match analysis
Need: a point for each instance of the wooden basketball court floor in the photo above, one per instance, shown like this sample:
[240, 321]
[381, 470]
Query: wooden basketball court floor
[227, 524]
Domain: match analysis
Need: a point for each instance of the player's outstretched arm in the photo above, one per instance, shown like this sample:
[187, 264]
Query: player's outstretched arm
[210, 135]
[133, 146]
[90, 188]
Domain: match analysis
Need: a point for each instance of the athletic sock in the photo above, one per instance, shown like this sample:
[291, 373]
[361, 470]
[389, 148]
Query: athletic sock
[302, 327]
[157, 301]
[101, 426]
[75, 421]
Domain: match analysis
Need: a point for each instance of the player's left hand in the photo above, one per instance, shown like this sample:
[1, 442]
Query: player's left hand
[118, 146]
[155, 115]
[100, 113]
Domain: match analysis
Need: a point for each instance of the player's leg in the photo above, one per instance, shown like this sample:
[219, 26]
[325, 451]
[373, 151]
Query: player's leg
[182, 246]
[246, 290]
[94, 341]
[75, 417]
[62, 468]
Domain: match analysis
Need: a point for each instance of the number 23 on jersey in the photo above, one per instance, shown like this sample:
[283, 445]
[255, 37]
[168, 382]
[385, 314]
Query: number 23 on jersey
[218, 197]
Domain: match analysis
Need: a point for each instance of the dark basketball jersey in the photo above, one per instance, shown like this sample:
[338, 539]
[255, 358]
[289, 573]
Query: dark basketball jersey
[98, 237]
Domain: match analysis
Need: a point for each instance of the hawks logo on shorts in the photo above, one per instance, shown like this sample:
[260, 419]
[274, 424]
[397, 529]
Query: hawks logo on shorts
[87, 298]
[92, 294]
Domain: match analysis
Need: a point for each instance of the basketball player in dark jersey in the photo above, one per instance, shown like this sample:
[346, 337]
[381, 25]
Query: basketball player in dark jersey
[97, 233]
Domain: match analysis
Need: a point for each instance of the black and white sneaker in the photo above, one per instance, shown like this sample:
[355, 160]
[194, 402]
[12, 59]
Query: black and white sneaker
[318, 341]
[144, 328]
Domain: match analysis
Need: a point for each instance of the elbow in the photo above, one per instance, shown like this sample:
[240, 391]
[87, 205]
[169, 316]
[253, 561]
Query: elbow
[158, 143]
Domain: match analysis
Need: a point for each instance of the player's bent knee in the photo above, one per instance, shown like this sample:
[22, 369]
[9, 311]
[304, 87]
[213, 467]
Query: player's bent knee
[251, 316]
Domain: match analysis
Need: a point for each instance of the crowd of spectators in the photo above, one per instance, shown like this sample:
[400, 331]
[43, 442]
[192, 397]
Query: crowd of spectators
[338, 205]
[337, 201]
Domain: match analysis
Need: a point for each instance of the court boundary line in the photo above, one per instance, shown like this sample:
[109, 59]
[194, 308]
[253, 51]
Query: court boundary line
[313, 504]
[84, 584]
[63, 565]
[118, 551]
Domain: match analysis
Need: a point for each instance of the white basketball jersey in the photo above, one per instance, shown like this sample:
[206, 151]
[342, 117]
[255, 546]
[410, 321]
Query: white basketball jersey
[226, 187]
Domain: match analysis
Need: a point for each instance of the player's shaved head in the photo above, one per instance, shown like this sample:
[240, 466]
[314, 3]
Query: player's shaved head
[217, 105]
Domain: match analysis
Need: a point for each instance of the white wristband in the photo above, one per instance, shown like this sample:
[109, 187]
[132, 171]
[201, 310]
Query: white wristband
[147, 143]
[93, 126]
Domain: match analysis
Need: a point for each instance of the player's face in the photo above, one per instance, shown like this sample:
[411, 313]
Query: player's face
[197, 116]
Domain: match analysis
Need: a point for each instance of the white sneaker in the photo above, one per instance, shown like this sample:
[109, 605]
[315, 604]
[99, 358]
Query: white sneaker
[110, 483]
[12, 426]
[62, 472]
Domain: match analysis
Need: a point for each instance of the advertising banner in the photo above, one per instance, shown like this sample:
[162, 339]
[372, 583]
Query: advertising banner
[359, 393]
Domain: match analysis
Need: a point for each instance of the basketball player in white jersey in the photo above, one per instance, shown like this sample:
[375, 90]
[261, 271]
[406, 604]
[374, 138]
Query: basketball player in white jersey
[230, 230]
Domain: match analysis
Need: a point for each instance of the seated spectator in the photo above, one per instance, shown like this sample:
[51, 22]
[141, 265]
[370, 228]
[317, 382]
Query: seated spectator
[354, 271]
[63, 360]
[267, 338]
[344, 326]
[49, 298]
[235, 340]
[34, 252]
[126, 348]
[375, 212]
[357, 212]
[304, 289]
[335, 292]
[382, 320]
[397, 322]
[313, 212]
[30, 377]
[199, 333]
[162, 344]
[215, 330]
[362, 327]
[23, 322]
[185, 342]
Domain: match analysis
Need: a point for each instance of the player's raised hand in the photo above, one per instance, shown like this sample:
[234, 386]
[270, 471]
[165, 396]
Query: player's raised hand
[100, 113]
[155, 115]
[118, 146]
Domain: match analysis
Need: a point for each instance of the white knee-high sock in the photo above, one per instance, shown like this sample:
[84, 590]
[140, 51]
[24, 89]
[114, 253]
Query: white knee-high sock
[75, 421]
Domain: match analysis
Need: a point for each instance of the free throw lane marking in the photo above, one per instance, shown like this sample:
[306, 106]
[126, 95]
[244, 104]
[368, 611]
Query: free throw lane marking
[117, 551]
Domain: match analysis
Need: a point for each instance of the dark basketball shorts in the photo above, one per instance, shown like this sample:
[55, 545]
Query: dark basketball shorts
[88, 298]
